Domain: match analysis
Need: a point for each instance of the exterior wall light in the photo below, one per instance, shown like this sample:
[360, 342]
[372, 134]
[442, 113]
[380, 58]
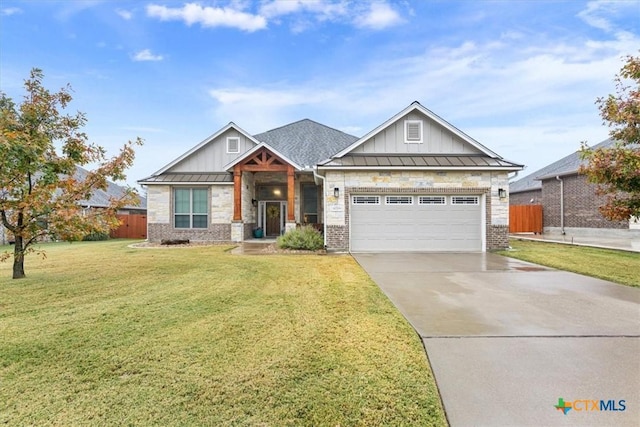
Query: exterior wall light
[254, 202]
[502, 193]
[336, 192]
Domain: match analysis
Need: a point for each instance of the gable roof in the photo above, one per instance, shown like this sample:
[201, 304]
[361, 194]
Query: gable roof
[306, 142]
[567, 165]
[200, 145]
[416, 106]
[256, 148]
[100, 198]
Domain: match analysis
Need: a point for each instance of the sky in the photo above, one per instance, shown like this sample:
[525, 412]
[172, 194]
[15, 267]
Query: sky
[519, 76]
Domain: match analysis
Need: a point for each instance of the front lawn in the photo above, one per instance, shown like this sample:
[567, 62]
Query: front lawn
[616, 266]
[100, 333]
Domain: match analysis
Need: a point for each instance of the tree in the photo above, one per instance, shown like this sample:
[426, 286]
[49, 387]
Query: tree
[616, 170]
[40, 148]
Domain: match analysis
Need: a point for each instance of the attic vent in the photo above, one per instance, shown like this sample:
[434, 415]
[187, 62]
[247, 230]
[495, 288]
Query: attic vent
[413, 131]
[233, 145]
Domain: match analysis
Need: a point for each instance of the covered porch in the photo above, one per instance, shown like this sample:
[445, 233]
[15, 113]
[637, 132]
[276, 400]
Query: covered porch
[272, 194]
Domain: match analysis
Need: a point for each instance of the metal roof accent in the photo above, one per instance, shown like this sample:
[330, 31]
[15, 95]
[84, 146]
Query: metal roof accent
[403, 161]
[189, 178]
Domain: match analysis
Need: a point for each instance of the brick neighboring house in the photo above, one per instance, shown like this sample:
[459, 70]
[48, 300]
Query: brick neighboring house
[558, 187]
[99, 199]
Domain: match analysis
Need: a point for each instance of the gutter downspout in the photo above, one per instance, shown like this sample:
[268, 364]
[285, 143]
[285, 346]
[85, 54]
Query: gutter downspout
[324, 204]
[561, 204]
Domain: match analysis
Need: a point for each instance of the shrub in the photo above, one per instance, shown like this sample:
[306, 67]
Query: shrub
[95, 236]
[305, 238]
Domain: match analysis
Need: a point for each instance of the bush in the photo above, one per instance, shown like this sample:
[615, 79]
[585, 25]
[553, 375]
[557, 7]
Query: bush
[94, 237]
[305, 238]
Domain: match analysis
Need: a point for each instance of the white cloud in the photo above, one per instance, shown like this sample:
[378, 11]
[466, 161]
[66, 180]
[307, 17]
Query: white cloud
[11, 11]
[193, 13]
[379, 16]
[601, 13]
[324, 10]
[147, 55]
[124, 14]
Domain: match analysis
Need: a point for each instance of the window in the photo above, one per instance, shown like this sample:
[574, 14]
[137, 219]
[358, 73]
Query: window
[366, 200]
[465, 200]
[432, 200]
[233, 144]
[413, 131]
[190, 207]
[399, 200]
[309, 203]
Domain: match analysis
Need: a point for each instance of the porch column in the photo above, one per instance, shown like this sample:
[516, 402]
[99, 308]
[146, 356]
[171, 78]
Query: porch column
[291, 197]
[237, 193]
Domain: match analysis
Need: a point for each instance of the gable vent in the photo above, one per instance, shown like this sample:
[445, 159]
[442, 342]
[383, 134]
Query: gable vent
[413, 131]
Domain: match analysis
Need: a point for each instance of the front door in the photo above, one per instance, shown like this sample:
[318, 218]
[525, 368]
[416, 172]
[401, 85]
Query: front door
[271, 217]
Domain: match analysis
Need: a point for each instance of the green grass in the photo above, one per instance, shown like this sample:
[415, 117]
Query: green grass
[99, 333]
[616, 266]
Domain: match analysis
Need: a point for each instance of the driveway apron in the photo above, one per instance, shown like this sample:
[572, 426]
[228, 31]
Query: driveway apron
[507, 339]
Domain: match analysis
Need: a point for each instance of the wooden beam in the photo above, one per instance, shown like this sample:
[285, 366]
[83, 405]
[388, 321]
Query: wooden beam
[290, 194]
[264, 168]
[237, 193]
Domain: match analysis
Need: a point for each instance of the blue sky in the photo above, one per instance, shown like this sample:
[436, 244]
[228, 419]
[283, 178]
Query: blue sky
[521, 77]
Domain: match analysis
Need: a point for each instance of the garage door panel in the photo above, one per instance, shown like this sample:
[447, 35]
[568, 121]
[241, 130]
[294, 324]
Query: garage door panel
[415, 227]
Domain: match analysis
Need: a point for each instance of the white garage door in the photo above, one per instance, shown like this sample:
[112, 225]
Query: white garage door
[380, 223]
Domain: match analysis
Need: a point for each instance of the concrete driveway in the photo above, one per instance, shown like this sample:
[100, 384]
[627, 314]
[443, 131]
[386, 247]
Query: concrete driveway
[506, 339]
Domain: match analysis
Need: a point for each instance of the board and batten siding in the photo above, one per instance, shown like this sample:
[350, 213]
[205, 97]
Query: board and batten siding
[213, 156]
[436, 140]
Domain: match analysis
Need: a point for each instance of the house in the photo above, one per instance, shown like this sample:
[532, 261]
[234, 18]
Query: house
[569, 202]
[99, 200]
[414, 183]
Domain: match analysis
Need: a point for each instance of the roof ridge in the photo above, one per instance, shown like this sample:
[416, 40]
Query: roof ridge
[305, 120]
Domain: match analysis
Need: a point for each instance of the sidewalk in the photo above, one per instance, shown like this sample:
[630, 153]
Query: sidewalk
[631, 244]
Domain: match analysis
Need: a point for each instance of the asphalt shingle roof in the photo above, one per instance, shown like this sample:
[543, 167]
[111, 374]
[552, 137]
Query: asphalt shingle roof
[100, 198]
[306, 142]
[565, 166]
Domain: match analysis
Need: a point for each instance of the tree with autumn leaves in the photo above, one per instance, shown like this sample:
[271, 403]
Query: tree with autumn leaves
[40, 148]
[616, 170]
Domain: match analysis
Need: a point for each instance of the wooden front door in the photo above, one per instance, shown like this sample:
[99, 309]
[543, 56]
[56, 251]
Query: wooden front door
[271, 217]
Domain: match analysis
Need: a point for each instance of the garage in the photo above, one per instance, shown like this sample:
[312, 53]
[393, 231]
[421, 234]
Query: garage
[428, 222]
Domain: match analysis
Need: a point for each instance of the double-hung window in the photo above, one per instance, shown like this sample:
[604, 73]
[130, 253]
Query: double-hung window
[190, 207]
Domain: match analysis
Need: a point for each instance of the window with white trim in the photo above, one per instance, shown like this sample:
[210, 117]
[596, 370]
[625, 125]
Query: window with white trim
[190, 207]
[432, 200]
[465, 200]
[233, 144]
[413, 131]
[366, 200]
[399, 200]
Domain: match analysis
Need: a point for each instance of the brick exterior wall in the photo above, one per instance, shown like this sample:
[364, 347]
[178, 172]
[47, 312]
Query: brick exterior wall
[337, 237]
[524, 198]
[215, 233]
[580, 204]
[497, 237]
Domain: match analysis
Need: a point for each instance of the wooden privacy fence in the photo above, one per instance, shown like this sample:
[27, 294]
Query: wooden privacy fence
[131, 227]
[525, 219]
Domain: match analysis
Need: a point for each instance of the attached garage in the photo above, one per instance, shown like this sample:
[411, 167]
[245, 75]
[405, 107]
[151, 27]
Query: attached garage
[403, 222]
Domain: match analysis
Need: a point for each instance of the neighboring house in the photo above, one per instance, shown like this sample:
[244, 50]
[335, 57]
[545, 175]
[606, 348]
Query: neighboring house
[569, 202]
[99, 199]
[414, 183]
